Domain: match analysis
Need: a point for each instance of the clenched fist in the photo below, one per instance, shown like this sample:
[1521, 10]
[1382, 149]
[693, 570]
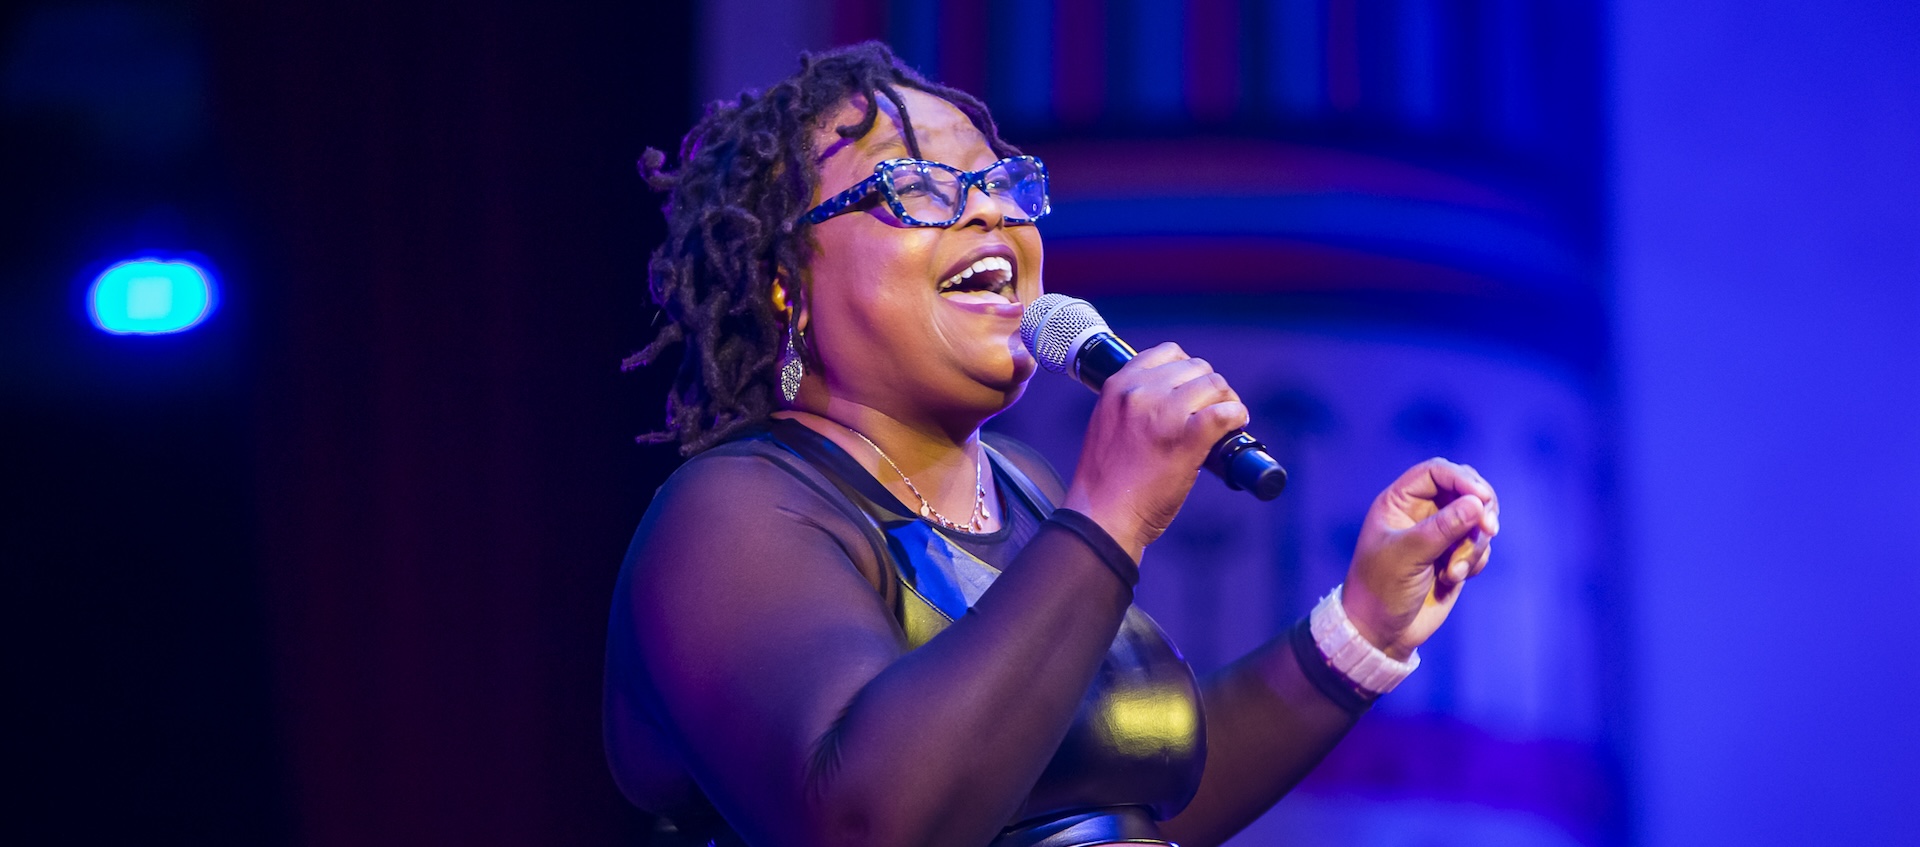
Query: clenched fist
[1151, 430]
[1424, 536]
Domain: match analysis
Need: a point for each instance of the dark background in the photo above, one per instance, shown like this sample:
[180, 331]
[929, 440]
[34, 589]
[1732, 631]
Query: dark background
[367, 517]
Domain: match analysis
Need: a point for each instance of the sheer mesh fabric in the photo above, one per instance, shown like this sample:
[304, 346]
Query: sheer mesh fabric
[760, 688]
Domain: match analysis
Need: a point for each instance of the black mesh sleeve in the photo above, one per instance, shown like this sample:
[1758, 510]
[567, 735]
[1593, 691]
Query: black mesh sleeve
[750, 654]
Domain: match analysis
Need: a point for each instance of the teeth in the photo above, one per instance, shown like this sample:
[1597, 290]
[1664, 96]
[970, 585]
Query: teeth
[990, 263]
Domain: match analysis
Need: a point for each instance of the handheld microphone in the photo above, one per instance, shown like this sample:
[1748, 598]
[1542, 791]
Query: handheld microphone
[1068, 337]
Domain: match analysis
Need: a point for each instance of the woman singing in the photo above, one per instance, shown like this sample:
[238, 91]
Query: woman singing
[852, 619]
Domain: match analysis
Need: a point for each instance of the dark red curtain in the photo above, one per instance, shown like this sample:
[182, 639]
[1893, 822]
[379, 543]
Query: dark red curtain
[449, 250]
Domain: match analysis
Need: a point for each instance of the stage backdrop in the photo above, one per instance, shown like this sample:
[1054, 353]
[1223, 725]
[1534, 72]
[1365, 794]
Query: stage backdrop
[1384, 226]
[452, 244]
[333, 568]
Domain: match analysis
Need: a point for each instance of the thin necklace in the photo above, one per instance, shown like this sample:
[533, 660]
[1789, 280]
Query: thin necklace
[927, 510]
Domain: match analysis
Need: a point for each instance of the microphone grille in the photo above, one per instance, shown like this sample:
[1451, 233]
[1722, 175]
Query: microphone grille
[1052, 323]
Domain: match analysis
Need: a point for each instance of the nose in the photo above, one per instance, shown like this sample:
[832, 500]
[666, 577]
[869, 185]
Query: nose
[986, 210]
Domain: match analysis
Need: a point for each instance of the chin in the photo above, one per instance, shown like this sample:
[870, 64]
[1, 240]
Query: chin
[1007, 397]
[1013, 395]
[996, 388]
[1024, 367]
[1010, 367]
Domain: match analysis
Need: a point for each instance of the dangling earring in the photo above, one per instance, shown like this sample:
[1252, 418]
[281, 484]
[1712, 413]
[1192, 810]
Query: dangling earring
[791, 368]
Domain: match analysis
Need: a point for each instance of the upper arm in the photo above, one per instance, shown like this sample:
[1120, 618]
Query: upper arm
[753, 628]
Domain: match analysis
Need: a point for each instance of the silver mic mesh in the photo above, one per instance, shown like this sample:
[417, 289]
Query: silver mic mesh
[1051, 324]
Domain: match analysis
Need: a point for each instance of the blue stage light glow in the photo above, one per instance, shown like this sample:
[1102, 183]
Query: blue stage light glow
[151, 297]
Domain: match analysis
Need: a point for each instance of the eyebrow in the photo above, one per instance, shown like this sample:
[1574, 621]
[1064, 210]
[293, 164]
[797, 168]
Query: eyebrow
[891, 144]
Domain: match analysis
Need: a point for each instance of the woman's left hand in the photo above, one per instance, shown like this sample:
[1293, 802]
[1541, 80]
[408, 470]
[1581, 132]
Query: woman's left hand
[1424, 536]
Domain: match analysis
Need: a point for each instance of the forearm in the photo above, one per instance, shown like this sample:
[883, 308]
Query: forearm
[991, 697]
[1268, 725]
[806, 725]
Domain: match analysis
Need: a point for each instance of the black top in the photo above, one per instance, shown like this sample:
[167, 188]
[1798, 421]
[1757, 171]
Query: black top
[774, 675]
[1136, 739]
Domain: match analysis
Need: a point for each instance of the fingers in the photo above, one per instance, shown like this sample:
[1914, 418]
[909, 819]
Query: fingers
[1458, 479]
[1469, 557]
[1462, 517]
[1196, 383]
[1436, 477]
[1438, 535]
[1143, 448]
[1480, 487]
[1480, 561]
[1439, 482]
[1212, 405]
[1157, 355]
[1166, 367]
[1194, 390]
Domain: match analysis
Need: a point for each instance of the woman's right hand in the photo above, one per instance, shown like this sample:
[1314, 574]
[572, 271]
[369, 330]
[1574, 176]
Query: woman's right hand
[1150, 433]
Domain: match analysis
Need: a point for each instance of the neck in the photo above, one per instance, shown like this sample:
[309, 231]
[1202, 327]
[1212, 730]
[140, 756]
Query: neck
[943, 462]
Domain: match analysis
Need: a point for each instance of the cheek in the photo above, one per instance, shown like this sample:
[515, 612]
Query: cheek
[835, 272]
[870, 252]
[864, 296]
[1032, 252]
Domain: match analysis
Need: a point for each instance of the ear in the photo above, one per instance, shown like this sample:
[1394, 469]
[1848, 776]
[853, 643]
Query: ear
[786, 304]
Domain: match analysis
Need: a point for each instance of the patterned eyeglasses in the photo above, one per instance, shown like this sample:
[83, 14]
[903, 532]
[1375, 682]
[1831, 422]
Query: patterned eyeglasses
[923, 193]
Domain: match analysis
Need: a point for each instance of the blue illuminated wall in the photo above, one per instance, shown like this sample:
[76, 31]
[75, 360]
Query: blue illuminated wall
[1768, 165]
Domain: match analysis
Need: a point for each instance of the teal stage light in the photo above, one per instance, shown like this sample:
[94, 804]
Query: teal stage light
[151, 297]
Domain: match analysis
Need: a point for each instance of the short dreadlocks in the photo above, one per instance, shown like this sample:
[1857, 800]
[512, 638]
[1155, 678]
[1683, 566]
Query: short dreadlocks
[733, 227]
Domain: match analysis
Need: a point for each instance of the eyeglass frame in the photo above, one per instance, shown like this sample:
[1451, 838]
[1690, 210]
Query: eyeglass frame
[840, 204]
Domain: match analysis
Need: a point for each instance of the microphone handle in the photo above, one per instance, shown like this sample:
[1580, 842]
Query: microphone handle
[1237, 458]
[1245, 464]
[1102, 356]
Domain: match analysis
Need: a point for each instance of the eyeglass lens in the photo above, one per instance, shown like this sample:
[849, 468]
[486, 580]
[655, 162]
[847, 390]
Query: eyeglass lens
[931, 193]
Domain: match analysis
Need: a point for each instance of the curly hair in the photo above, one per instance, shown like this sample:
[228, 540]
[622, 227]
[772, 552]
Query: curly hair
[733, 228]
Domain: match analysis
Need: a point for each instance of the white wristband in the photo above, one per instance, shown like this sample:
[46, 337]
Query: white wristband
[1350, 653]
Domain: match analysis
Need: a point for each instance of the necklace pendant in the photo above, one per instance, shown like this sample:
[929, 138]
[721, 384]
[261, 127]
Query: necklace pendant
[974, 523]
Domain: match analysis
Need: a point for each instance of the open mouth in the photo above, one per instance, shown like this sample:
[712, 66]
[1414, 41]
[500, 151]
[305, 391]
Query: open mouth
[988, 280]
